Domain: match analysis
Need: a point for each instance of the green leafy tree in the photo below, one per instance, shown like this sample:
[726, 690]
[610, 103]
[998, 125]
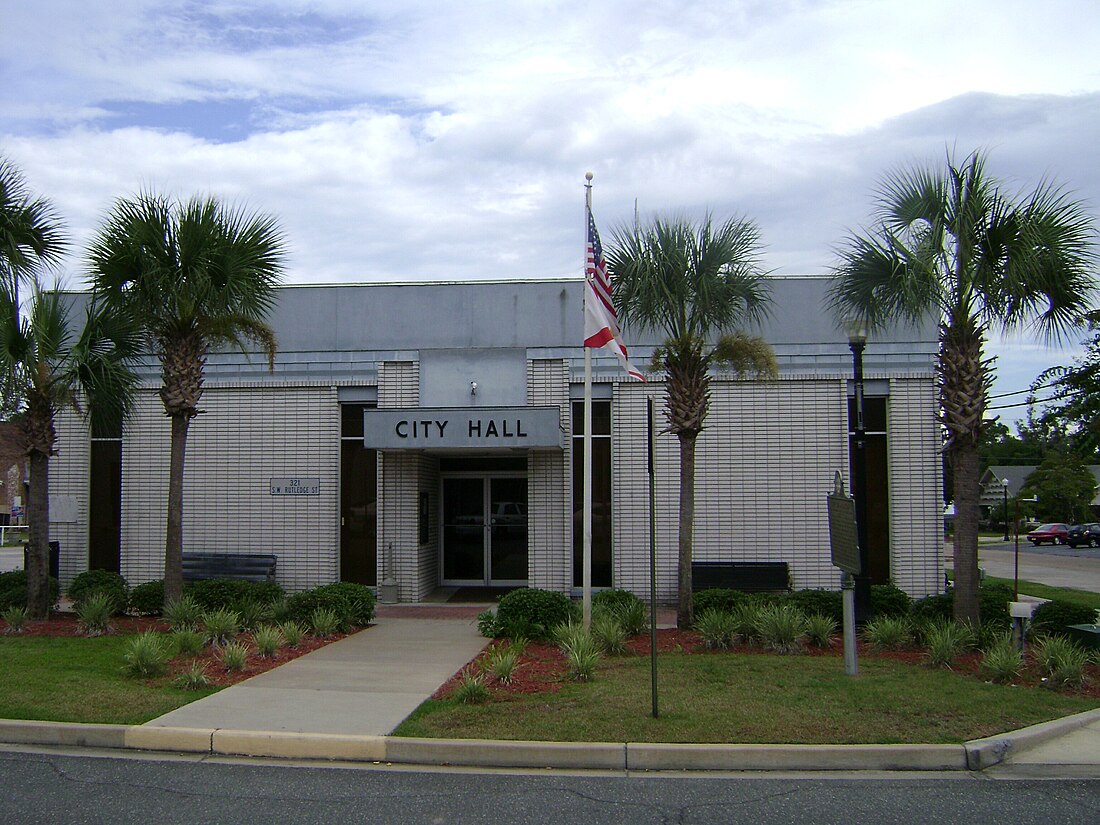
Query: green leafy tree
[51, 369]
[1064, 487]
[198, 275]
[31, 239]
[1077, 393]
[951, 246]
[694, 285]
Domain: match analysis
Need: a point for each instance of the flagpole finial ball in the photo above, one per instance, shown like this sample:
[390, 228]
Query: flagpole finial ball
[588, 176]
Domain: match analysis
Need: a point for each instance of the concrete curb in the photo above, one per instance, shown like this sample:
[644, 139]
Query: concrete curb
[984, 753]
[975, 755]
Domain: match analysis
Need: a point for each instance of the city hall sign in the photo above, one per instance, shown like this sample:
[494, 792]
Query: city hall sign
[423, 428]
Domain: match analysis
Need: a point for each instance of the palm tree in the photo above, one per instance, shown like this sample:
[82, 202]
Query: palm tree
[30, 238]
[198, 276]
[693, 285]
[51, 370]
[950, 245]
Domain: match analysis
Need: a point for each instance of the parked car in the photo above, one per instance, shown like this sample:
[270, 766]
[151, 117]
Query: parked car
[1086, 534]
[1054, 533]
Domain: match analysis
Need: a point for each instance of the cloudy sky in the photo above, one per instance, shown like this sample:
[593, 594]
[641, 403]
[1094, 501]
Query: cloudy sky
[405, 140]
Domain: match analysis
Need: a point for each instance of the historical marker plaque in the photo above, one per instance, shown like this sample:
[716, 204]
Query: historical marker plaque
[843, 539]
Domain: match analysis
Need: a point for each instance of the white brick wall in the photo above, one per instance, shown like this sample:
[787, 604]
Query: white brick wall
[916, 488]
[549, 485]
[243, 439]
[764, 466]
[399, 484]
[69, 473]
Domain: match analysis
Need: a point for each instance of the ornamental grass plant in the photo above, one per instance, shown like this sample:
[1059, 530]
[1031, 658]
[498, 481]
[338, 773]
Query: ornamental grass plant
[145, 655]
[94, 613]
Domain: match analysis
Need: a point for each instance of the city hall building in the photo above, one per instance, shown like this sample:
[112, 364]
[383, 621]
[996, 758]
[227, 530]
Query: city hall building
[429, 435]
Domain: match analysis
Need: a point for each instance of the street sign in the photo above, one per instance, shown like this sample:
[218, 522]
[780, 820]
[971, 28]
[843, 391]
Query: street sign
[843, 541]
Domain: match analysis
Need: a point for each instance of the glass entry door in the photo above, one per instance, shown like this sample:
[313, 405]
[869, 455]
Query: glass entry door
[484, 530]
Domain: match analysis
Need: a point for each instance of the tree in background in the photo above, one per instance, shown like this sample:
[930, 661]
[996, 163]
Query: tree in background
[1065, 488]
[1077, 392]
[694, 285]
[50, 369]
[951, 246]
[198, 276]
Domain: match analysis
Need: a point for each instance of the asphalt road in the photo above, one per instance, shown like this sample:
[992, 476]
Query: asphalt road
[1056, 566]
[44, 787]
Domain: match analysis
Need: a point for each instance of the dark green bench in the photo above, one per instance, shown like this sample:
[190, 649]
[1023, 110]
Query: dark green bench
[746, 576]
[252, 567]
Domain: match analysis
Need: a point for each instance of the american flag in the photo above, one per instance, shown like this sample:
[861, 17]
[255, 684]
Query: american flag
[601, 324]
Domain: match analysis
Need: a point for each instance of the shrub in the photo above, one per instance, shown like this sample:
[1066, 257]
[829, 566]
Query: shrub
[829, 603]
[187, 641]
[221, 625]
[471, 689]
[532, 613]
[292, 633]
[324, 622]
[193, 679]
[267, 640]
[148, 599]
[253, 613]
[94, 613]
[821, 629]
[1002, 662]
[746, 620]
[608, 632]
[487, 623]
[503, 662]
[782, 628]
[582, 654]
[613, 600]
[230, 594]
[16, 619]
[1055, 616]
[100, 581]
[993, 602]
[13, 589]
[353, 604]
[888, 633]
[889, 601]
[234, 656]
[183, 613]
[717, 627]
[932, 609]
[145, 656]
[717, 598]
[945, 641]
[628, 610]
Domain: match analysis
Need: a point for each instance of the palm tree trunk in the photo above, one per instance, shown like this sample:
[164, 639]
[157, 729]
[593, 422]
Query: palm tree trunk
[964, 470]
[38, 536]
[685, 617]
[173, 541]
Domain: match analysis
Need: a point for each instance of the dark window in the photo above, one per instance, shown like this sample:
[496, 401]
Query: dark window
[358, 500]
[105, 497]
[601, 494]
[878, 484]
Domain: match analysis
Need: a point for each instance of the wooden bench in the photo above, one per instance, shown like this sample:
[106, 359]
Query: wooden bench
[253, 567]
[746, 576]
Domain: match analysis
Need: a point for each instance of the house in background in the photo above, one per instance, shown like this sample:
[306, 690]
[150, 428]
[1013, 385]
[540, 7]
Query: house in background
[13, 472]
[999, 479]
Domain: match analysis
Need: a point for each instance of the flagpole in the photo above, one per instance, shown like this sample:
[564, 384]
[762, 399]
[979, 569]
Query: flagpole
[586, 516]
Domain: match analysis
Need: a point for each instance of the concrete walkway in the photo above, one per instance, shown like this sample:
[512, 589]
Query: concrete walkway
[365, 684]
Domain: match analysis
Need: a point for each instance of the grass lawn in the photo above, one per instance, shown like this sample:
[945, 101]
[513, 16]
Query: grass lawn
[75, 679]
[1043, 591]
[754, 698]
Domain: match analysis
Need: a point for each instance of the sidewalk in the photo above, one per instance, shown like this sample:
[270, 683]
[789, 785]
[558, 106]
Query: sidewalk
[340, 702]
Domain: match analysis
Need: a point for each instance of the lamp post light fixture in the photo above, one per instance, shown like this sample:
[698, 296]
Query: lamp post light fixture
[857, 343]
[1004, 486]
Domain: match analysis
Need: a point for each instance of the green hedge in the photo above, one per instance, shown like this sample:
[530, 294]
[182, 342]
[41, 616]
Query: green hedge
[13, 589]
[148, 599]
[100, 581]
[229, 594]
[532, 613]
[352, 603]
[1055, 616]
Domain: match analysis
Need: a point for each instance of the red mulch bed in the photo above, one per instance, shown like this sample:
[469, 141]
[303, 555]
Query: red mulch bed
[66, 624]
[543, 667]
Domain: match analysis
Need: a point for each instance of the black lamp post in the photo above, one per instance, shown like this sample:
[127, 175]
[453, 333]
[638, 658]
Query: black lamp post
[1004, 484]
[857, 342]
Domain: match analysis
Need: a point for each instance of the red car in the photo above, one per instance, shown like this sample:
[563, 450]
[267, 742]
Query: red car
[1054, 533]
